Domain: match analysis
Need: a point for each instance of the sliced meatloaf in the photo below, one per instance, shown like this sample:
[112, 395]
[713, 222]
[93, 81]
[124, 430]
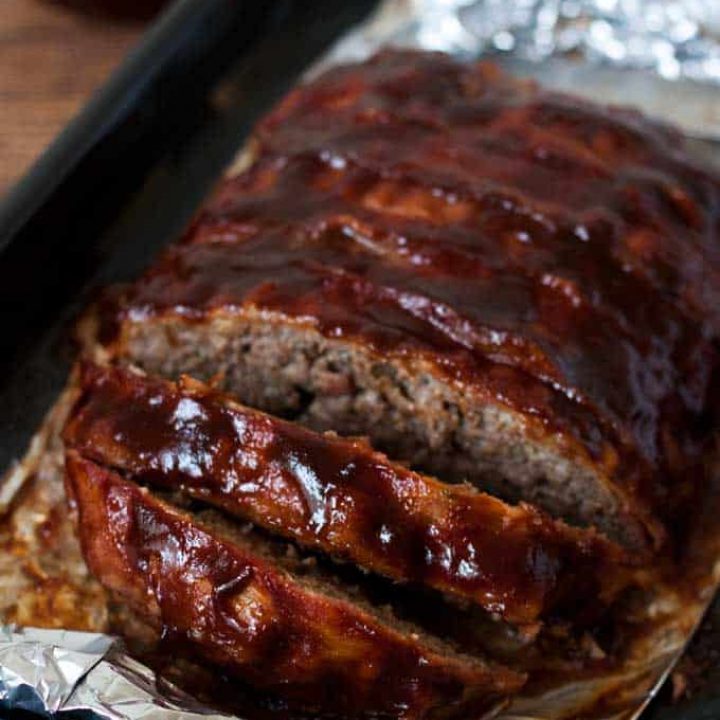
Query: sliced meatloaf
[338, 496]
[496, 283]
[258, 616]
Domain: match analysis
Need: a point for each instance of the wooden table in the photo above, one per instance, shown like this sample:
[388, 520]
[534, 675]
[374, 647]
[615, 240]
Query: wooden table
[52, 57]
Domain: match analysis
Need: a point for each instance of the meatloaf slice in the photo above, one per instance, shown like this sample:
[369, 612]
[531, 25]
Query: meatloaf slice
[494, 282]
[338, 496]
[256, 616]
[521, 447]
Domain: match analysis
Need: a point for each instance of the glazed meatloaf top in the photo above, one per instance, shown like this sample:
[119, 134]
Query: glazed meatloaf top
[255, 613]
[338, 496]
[557, 257]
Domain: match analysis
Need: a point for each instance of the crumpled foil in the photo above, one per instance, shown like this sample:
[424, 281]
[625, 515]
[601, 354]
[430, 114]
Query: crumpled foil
[660, 55]
[675, 38]
[87, 674]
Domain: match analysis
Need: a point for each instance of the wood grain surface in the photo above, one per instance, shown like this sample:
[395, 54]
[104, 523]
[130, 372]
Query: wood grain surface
[52, 57]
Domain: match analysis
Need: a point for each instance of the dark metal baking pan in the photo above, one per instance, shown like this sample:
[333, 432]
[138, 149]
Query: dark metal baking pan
[126, 175]
[128, 172]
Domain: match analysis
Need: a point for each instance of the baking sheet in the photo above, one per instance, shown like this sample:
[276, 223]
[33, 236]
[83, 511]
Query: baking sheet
[44, 581]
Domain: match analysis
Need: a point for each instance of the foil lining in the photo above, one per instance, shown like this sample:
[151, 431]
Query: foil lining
[675, 38]
[667, 54]
[662, 56]
[87, 674]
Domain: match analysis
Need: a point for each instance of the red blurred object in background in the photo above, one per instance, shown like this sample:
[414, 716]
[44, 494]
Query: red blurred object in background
[130, 9]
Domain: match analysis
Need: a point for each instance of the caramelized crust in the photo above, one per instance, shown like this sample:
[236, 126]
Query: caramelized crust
[240, 610]
[542, 253]
[338, 496]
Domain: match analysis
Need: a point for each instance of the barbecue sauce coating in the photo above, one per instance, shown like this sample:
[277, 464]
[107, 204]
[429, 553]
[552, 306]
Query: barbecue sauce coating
[338, 496]
[245, 614]
[544, 253]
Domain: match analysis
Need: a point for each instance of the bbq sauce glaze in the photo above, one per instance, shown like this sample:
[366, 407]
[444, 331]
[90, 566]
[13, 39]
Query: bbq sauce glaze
[545, 253]
[338, 496]
[241, 612]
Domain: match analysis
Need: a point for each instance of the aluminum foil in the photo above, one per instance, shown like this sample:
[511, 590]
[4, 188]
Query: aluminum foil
[667, 54]
[87, 674]
[675, 38]
[662, 56]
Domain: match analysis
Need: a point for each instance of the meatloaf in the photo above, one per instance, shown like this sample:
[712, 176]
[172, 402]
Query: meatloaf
[493, 282]
[337, 496]
[256, 614]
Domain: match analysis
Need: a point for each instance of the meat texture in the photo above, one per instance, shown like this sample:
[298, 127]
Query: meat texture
[249, 613]
[494, 282]
[338, 496]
